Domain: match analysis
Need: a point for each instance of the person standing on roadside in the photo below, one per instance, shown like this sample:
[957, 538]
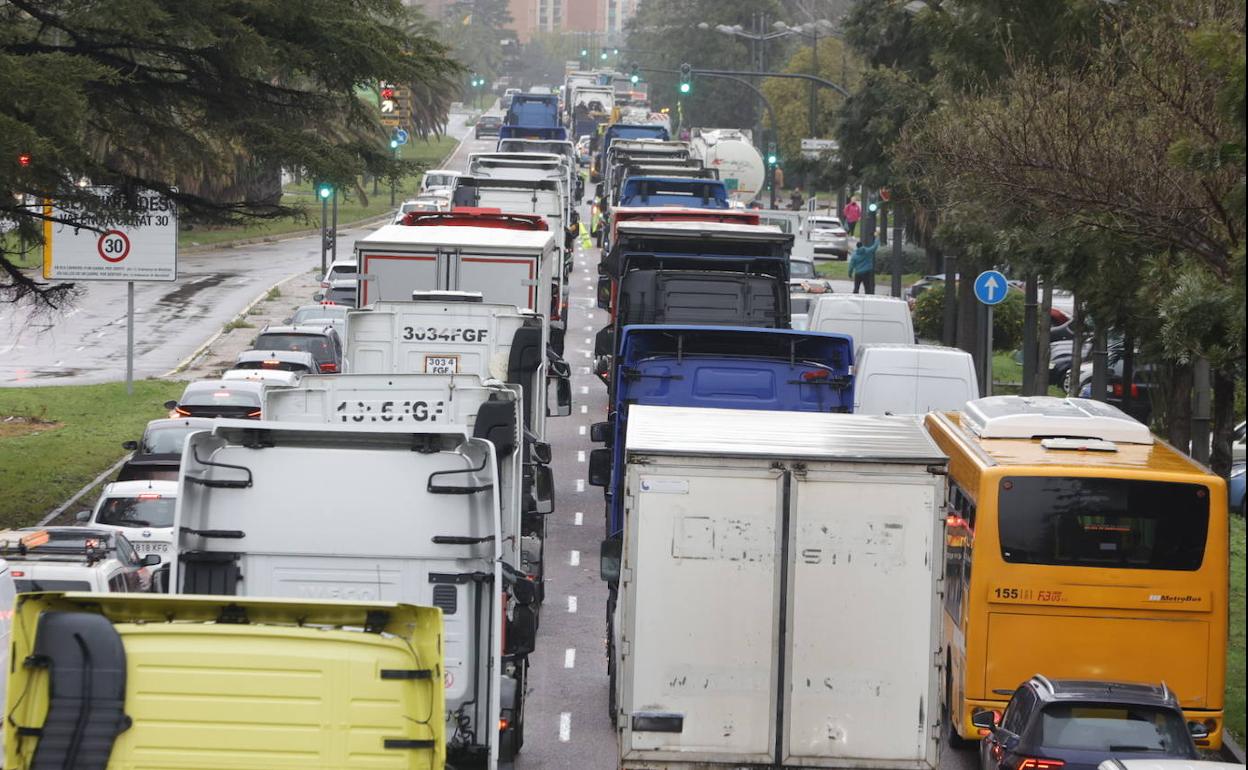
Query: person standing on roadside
[852, 214]
[862, 267]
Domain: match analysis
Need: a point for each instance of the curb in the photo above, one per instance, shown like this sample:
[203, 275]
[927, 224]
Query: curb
[1231, 749]
[199, 351]
[78, 495]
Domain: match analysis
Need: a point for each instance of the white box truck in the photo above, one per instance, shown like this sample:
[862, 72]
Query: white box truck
[374, 512]
[779, 576]
[511, 267]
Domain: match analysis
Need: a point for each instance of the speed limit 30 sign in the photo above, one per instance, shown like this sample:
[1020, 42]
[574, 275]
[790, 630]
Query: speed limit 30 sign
[140, 243]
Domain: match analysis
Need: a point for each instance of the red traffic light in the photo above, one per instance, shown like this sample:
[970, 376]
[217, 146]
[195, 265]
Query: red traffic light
[23, 159]
[387, 93]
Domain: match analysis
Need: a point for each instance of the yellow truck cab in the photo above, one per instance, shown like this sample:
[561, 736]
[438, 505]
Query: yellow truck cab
[114, 682]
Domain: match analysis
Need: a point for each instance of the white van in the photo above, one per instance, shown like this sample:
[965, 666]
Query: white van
[913, 379]
[868, 318]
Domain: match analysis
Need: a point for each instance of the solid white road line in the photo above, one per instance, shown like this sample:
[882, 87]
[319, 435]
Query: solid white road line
[578, 519]
[569, 657]
[572, 605]
[565, 727]
[574, 559]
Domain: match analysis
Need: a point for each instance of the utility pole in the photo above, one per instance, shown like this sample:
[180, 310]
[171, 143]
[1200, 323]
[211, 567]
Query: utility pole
[1030, 320]
[896, 287]
[950, 338]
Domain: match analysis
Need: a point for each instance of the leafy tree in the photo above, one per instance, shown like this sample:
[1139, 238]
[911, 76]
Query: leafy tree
[791, 98]
[144, 93]
[473, 30]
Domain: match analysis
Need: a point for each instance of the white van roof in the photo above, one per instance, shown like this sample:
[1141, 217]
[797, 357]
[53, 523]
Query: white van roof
[870, 319]
[912, 379]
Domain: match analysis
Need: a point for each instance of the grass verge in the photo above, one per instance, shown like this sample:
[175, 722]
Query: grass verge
[40, 469]
[1235, 671]
[839, 270]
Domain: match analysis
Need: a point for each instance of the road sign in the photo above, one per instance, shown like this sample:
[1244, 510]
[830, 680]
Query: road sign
[400, 136]
[991, 287]
[813, 149]
[141, 246]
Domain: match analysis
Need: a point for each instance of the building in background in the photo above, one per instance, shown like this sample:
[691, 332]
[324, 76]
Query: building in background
[603, 19]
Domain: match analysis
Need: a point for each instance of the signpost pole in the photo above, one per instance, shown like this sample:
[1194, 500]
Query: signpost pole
[324, 225]
[987, 389]
[333, 231]
[991, 288]
[129, 338]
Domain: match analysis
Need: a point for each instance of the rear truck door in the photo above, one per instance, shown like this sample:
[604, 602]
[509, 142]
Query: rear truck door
[701, 550]
[862, 618]
[211, 683]
[506, 279]
[393, 274]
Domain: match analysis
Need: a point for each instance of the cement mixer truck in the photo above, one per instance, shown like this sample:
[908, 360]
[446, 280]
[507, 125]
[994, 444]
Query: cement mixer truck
[732, 152]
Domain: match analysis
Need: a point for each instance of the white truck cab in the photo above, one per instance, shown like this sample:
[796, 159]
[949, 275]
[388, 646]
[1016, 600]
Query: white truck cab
[913, 379]
[75, 559]
[868, 318]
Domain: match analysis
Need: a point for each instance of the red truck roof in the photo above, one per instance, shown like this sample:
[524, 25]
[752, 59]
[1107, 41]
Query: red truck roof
[467, 216]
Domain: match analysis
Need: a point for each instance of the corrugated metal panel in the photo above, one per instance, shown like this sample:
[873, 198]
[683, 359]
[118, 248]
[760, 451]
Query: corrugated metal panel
[745, 433]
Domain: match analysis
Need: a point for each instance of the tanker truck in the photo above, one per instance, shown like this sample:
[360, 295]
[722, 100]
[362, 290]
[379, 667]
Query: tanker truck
[732, 152]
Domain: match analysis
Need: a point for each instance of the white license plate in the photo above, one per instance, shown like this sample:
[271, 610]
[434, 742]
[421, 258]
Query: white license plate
[441, 364]
[151, 547]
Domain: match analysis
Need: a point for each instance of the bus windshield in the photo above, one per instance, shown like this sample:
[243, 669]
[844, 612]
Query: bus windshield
[1102, 522]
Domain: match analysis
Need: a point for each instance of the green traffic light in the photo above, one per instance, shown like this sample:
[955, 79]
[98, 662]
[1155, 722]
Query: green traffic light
[873, 207]
[325, 191]
[603, 56]
[771, 159]
[584, 52]
[634, 79]
[394, 144]
[685, 88]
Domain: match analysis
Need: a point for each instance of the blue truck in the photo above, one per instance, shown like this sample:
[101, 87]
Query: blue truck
[539, 133]
[533, 110]
[601, 144]
[674, 191]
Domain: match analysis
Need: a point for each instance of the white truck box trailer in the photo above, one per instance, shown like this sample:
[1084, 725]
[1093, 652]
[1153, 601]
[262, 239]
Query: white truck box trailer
[780, 576]
[510, 267]
[378, 513]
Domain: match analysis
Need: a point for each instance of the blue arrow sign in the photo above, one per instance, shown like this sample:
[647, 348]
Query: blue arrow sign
[991, 287]
[400, 136]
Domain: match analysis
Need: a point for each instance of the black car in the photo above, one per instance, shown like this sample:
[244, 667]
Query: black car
[1077, 724]
[158, 455]
[321, 341]
[488, 125]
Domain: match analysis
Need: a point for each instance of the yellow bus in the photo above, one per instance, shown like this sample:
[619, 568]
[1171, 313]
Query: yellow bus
[1078, 547]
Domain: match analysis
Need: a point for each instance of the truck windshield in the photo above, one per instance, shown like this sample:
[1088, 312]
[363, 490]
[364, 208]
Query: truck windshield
[137, 512]
[1090, 522]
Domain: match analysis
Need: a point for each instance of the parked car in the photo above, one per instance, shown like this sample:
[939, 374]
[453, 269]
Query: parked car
[298, 361]
[219, 398]
[143, 512]
[1076, 724]
[340, 269]
[488, 125]
[75, 559]
[158, 454]
[321, 341]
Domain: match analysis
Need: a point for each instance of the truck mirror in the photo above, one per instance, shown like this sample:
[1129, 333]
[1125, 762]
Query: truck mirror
[986, 719]
[319, 296]
[563, 398]
[541, 452]
[560, 368]
[557, 336]
[133, 445]
[150, 560]
[600, 433]
[543, 490]
[1198, 730]
[600, 467]
[84, 515]
[600, 190]
[609, 556]
[604, 292]
[496, 423]
[522, 631]
[604, 342]
[523, 590]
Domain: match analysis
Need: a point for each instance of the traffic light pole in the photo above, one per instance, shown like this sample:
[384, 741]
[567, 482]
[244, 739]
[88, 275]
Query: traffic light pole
[324, 223]
[333, 231]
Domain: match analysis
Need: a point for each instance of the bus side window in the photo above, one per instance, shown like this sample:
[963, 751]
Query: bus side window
[958, 544]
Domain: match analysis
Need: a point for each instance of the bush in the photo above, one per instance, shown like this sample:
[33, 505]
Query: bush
[1007, 318]
[913, 260]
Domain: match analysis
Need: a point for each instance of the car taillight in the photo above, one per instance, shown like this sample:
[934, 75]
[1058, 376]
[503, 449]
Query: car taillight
[1036, 763]
[1135, 391]
[329, 368]
[1116, 390]
[18, 573]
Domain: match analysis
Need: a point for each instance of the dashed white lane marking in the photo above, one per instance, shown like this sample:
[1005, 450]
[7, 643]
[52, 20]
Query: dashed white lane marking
[580, 455]
[589, 328]
[589, 340]
[578, 519]
[584, 409]
[588, 354]
[584, 389]
[584, 370]
[574, 558]
[572, 604]
[565, 727]
[581, 430]
[580, 485]
[569, 657]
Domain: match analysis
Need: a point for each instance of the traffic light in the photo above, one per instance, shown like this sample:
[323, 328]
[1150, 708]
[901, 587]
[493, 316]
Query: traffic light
[615, 52]
[603, 56]
[584, 52]
[686, 78]
[394, 144]
[23, 160]
[634, 75]
[324, 189]
[873, 207]
[772, 158]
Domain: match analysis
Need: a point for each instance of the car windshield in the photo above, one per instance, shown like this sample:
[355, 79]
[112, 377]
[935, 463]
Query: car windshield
[490, 120]
[1113, 728]
[799, 269]
[220, 397]
[341, 270]
[1089, 522]
[316, 344]
[27, 586]
[317, 312]
[165, 441]
[142, 511]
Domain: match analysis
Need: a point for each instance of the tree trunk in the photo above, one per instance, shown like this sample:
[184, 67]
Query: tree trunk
[1128, 371]
[1043, 339]
[1076, 350]
[935, 260]
[968, 319]
[1223, 421]
[1179, 407]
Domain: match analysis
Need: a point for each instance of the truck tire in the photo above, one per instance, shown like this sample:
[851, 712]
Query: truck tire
[948, 718]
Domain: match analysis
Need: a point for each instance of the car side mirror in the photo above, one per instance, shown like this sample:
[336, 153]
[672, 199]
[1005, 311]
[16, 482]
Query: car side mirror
[600, 433]
[522, 631]
[171, 404]
[563, 399]
[600, 467]
[1197, 730]
[610, 554]
[286, 320]
[541, 452]
[986, 719]
[523, 590]
[132, 445]
[82, 516]
[319, 296]
[604, 292]
[150, 560]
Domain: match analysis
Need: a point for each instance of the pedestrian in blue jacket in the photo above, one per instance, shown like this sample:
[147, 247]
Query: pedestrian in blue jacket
[862, 267]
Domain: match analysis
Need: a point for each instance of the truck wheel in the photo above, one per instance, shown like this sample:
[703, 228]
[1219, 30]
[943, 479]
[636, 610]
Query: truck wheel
[950, 721]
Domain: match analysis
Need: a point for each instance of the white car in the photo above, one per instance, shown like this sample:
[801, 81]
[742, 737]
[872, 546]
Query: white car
[142, 511]
[270, 378]
[829, 240]
[75, 559]
[339, 270]
[295, 361]
[820, 221]
[439, 179]
[434, 200]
